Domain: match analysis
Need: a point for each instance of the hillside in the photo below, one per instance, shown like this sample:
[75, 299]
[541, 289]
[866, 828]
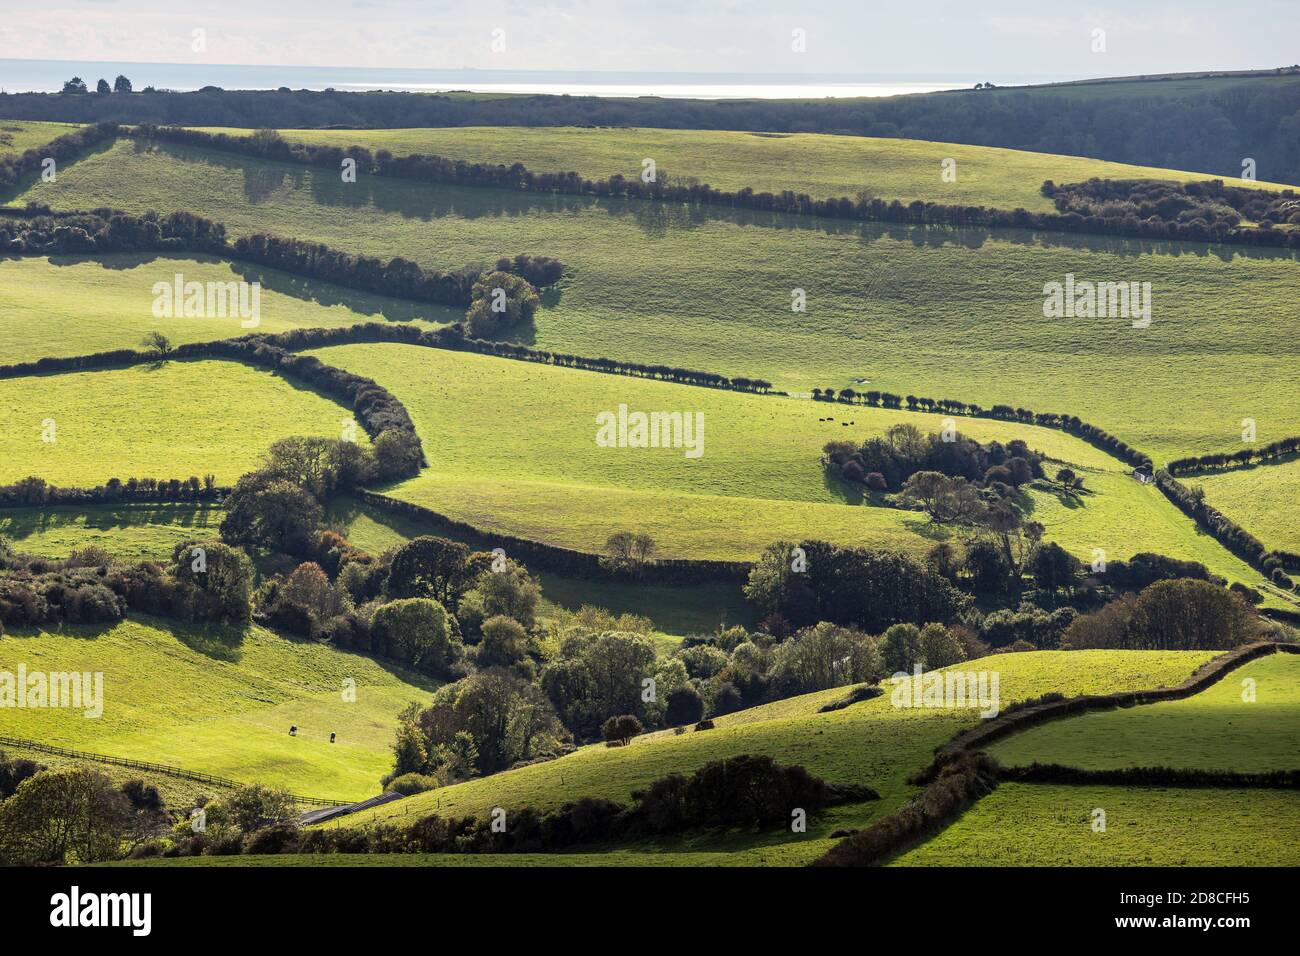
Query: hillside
[1039, 825]
[170, 420]
[871, 742]
[1251, 497]
[817, 164]
[1217, 729]
[221, 701]
[87, 304]
[894, 305]
[1196, 121]
[536, 471]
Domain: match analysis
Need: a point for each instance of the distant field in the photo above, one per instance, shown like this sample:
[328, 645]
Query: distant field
[221, 702]
[1216, 729]
[512, 448]
[1261, 498]
[817, 164]
[169, 421]
[129, 531]
[76, 305]
[18, 136]
[943, 312]
[872, 742]
[1039, 825]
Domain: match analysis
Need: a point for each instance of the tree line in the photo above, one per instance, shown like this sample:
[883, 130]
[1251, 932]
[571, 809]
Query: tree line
[1235, 459]
[1068, 423]
[36, 491]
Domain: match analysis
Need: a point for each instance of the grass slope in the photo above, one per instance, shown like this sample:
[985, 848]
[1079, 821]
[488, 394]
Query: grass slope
[167, 421]
[1038, 825]
[76, 305]
[18, 136]
[872, 742]
[1261, 498]
[1216, 729]
[820, 165]
[129, 531]
[221, 702]
[944, 312]
[512, 449]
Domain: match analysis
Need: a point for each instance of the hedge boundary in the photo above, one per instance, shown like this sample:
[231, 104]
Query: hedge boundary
[1152, 777]
[960, 771]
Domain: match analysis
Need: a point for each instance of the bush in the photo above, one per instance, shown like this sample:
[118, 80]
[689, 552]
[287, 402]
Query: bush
[685, 706]
[619, 731]
[411, 783]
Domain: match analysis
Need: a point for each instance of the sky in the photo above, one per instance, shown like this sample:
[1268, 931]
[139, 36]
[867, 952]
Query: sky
[918, 37]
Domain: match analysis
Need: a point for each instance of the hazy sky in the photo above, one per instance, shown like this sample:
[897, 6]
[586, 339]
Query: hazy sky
[864, 36]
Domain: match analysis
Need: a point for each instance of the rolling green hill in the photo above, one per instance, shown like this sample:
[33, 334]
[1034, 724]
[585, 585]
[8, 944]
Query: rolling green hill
[940, 312]
[871, 742]
[820, 165]
[76, 305]
[1216, 729]
[1261, 498]
[171, 420]
[1040, 825]
[512, 448]
[221, 701]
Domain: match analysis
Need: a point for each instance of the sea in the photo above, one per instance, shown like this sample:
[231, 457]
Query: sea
[47, 76]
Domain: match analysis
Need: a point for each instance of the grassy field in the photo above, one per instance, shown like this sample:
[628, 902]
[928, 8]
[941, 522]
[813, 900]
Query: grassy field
[1216, 729]
[167, 421]
[956, 313]
[1038, 825]
[76, 305]
[18, 136]
[1260, 498]
[512, 448]
[820, 165]
[221, 702]
[129, 531]
[871, 742]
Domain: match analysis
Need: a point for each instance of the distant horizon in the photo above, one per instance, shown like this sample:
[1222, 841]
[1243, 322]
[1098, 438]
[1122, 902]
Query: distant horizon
[35, 75]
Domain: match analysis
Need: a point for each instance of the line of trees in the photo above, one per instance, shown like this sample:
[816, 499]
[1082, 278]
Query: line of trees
[1224, 530]
[267, 144]
[1235, 459]
[36, 491]
[1068, 423]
